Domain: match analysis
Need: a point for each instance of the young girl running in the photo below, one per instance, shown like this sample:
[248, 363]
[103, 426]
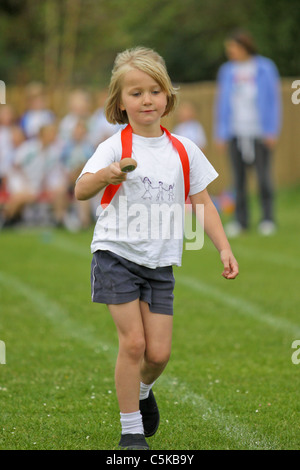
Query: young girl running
[133, 251]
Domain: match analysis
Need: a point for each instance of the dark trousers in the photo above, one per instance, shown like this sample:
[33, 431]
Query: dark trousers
[262, 164]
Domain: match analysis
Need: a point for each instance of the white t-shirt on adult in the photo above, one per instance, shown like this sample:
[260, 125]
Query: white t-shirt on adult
[135, 223]
[245, 117]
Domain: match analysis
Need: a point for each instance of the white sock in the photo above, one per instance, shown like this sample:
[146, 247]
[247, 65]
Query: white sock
[132, 423]
[144, 390]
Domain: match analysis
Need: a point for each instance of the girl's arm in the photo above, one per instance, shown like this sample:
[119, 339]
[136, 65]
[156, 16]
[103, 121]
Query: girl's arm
[91, 183]
[214, 229]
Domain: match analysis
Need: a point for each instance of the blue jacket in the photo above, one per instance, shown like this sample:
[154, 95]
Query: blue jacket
[268, 98]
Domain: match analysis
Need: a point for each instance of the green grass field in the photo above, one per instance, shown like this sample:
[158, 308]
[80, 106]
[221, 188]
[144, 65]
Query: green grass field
[230, 383]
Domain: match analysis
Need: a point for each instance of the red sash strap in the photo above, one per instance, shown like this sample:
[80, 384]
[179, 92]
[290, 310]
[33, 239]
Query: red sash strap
[126, 139]
[184, 160]
[111, 189]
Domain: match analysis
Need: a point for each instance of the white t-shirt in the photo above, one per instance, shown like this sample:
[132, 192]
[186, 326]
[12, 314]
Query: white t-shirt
[145, 220]
[40, 167]
[245, 117]
[34, 120]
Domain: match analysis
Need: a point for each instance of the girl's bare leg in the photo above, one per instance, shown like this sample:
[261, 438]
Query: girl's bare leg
[144, 349]
[128, 320]
[158, 336]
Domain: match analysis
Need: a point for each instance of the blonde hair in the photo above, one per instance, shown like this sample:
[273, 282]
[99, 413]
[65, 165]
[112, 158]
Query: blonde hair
[146, 60]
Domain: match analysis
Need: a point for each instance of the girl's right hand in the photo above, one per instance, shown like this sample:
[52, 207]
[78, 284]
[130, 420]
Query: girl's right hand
[114, 174]
[91, 184]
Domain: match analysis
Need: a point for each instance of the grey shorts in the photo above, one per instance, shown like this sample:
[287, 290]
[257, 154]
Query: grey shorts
[116, 280]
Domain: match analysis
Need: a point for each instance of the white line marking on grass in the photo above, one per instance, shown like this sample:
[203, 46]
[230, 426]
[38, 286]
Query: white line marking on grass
[243, 307]
[225, 423]
[55, 313]
[65, 245]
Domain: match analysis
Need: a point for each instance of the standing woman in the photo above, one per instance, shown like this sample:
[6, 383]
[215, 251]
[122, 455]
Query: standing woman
[248, 115]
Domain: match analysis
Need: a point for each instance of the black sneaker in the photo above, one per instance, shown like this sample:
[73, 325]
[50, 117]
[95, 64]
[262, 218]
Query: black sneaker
[150, 414]
[133, 442]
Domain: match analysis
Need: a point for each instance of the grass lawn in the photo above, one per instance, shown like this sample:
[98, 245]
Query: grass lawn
[230, 383]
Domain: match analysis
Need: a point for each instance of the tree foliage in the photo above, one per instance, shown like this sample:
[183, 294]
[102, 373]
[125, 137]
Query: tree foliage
[65, 42]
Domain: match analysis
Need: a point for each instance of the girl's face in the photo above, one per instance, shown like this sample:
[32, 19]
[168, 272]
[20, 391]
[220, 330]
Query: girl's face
[144, 101]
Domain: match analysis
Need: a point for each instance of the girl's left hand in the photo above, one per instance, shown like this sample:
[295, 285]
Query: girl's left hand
[231, 267]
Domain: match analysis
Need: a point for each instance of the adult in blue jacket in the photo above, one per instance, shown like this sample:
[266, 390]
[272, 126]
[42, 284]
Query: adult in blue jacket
[248, 118]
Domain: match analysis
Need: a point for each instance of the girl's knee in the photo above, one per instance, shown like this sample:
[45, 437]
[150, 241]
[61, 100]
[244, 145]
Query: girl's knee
[133, 346]
[157, 359]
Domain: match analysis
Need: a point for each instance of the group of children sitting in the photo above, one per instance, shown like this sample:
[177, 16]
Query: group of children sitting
[41, 156]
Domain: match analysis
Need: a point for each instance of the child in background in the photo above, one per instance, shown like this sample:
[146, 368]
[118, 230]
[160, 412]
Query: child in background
[76, 152]
[7, 123]
[99, 128]
[79, 109]
[131, 272]
[37, 169]
[38, 114]
[188, 126]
